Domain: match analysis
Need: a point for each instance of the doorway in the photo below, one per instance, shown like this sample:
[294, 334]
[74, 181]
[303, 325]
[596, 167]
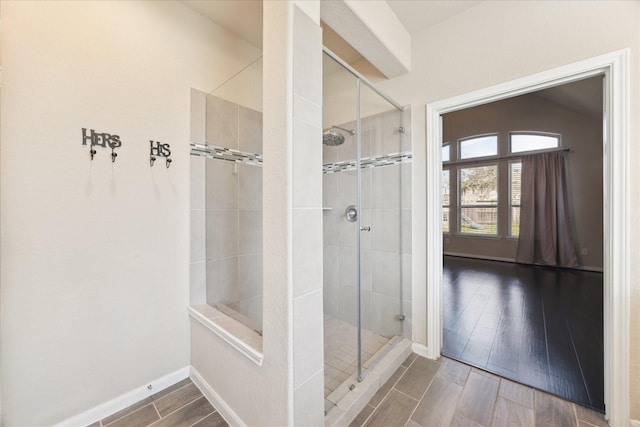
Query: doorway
[616, 189]
[540, 326]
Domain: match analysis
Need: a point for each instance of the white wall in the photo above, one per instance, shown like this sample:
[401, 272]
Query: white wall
[497, 41]
[95, 255]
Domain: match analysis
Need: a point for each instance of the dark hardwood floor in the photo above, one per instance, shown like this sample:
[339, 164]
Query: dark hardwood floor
[539, 326]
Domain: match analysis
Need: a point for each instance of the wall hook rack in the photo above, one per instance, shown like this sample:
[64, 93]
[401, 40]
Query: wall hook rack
[158, 149]
[100, 139]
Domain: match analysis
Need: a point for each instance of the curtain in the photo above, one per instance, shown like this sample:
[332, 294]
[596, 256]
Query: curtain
[545, 221]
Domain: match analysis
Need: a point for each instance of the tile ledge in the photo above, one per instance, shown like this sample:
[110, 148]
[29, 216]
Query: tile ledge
[241, 346]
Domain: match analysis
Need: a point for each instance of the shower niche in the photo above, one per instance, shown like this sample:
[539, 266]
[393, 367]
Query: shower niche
[226, 206]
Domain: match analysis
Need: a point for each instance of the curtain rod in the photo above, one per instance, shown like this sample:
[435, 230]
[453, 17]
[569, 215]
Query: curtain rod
[509, 156]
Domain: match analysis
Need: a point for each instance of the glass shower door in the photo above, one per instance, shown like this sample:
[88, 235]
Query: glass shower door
[340, 221]
[363, 173]
[381, 225]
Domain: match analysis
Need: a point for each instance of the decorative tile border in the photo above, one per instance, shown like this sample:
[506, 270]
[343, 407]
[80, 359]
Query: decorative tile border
[237, 156]
[227, 154]
[368, 162]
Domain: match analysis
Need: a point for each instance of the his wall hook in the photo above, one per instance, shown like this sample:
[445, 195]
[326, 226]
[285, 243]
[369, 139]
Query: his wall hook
[158, 149]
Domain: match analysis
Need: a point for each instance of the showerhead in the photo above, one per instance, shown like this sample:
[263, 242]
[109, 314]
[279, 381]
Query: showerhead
[333, 138]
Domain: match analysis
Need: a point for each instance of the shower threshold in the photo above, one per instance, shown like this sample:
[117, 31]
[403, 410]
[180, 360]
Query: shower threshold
[345, 396]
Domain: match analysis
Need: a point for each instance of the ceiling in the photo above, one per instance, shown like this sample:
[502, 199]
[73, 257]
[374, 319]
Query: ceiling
[244, 19]
[417, 15]
[584, 96]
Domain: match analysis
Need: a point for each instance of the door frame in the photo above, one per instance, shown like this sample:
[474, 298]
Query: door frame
[616, 133]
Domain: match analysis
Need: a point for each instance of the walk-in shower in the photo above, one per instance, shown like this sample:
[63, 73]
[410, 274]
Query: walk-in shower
[366, 178]
[367, 223]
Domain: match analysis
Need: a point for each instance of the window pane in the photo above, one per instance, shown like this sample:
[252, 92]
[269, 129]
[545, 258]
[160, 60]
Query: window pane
[445, 220]
[515, 221]
[529, 142]
[515, 175]
[445, 199]
[446, 191]
[446, 153]
[479, 147]
[479, 200]
[479, 220]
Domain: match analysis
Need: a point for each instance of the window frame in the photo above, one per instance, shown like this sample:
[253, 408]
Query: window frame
[502, 161]
[538, 133]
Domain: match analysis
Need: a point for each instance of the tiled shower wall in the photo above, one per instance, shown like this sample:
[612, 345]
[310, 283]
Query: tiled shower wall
[386, 208]
[226, 212]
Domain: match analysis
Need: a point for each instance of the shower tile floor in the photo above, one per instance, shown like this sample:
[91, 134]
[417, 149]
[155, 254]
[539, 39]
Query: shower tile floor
[340, 351]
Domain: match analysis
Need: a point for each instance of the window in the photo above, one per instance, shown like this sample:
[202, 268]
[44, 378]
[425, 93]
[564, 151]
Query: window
[522, 142]
[479, 146]
[445, 200]
[446, 154]
[515, 175]
[478, 192]
[481, 182]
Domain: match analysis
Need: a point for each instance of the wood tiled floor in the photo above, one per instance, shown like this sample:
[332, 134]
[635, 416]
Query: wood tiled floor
[181, 405]
[538, 326]
[444, 393]
[421, 392]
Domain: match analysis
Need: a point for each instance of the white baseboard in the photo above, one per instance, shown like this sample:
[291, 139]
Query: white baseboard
[125, 400]
[634, 423]
[421, 350]
[225, 410]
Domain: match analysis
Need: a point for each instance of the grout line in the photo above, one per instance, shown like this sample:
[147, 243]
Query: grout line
[125, 415]
[177, 409]
[410, 397]
[206, 416]
[495, 403]
[156, 408]
[427, 389]
[575, 410]
[370, 415]
[535, 405]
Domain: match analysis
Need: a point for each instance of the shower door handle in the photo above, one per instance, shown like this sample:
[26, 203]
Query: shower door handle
[365, 228]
